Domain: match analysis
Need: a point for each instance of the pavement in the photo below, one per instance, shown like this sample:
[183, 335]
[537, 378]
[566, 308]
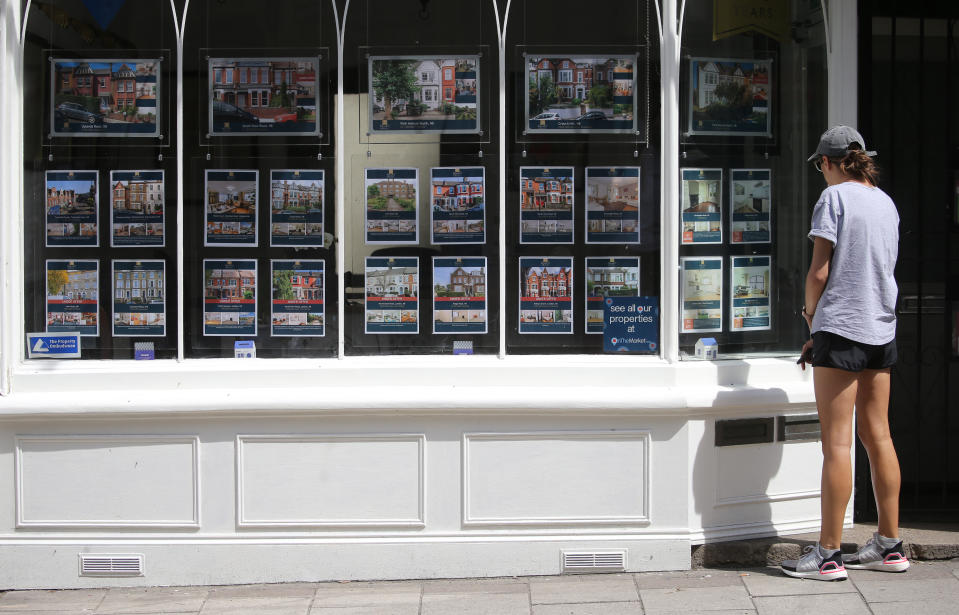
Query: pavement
[929, 587]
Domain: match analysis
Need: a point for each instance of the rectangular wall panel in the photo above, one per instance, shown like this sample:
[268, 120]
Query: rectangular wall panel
[107, 481]
[767, 472]
[548, 478]
[304, 480]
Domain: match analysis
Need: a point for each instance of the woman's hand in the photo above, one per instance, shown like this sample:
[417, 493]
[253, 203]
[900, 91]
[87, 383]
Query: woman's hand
[805, 353]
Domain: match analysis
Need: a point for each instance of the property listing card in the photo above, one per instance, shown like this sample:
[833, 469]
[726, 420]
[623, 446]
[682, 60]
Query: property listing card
[749, 219]
[392, 295]
[137, 209]
[702, 205]
[139, 298]
[297, 307]
[546, 205]
[701, 299]
[751, 284]
[730, 97]
[296, 208]
[582, 94]
[457, 205]
[72, 205]
[229, 297]
[424, 94]
[391, 212]
[612, 205]
[608, 277]
[105, 97]
[230, 212]
[263, 96]
[73, 288]
[545, 294]
[459, 294]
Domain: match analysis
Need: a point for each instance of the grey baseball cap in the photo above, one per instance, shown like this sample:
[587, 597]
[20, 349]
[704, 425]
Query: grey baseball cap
[835, 143]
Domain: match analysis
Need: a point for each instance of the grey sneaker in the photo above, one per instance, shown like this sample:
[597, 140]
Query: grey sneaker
[872, 556]
[813, 565]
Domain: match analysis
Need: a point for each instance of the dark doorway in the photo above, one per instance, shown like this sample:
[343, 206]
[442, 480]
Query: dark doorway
[909, 81]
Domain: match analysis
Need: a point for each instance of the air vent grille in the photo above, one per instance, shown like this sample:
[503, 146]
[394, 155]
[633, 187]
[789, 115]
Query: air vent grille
[594, 561]
[99, 565]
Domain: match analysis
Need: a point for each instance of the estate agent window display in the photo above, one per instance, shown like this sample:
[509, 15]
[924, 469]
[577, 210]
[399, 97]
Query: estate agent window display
[422, 174]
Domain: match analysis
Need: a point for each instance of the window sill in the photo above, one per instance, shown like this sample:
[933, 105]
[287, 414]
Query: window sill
[420, 385]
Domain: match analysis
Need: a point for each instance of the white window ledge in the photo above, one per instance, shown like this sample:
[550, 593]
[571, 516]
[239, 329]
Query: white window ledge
[434, 385]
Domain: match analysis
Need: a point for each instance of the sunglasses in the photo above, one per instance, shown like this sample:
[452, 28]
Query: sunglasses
[818, 165]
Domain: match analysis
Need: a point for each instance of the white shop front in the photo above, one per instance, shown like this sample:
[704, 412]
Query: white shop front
[415, 211]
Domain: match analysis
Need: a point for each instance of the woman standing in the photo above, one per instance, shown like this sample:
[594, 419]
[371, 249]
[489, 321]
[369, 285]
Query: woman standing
[850, 309]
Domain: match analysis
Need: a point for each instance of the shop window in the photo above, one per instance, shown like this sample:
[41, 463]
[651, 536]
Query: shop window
[422, 178]
[100, 175]
[753, 102]
[583, 166]
[259, 187]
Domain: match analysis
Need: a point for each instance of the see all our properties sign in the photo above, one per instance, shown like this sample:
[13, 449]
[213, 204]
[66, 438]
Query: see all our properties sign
[631, 324]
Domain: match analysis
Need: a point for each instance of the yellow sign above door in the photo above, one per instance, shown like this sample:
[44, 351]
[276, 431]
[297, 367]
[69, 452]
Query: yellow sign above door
[769, 17]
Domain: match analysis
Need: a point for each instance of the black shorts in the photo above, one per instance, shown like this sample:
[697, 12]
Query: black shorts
[831, 350]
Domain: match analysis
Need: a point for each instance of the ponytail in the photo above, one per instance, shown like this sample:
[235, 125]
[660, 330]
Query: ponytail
[858, 165]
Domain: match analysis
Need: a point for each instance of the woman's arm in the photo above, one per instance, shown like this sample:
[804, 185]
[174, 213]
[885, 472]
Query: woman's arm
[817, 276]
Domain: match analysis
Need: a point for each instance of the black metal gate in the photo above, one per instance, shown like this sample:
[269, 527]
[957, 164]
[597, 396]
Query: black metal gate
[909, 89]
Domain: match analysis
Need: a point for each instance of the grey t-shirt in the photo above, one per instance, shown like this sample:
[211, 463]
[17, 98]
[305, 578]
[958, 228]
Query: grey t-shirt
[859, 301]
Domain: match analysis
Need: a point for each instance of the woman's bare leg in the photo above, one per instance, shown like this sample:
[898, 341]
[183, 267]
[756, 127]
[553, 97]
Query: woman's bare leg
[872, 418]
[835, 398]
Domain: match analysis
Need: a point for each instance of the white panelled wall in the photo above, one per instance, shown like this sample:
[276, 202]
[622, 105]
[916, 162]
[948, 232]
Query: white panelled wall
[218, 471]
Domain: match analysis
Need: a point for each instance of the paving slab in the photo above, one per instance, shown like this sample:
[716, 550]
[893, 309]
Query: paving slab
[269, 605]
[657, 601]
[926, 607]
[892, 588]
[504, 585]
[585, 588]
[773, 582]
[264, 590]
[51, 600]
[60, 612]
[376, 594]
[472, 603]
[688, 578]
[590, 608]
[840, 604]
[152, 599]
[395, 609]
[700, 612]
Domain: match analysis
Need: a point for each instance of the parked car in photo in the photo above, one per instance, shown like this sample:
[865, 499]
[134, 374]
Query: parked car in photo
[225, 112]
[285, 117]
[591, 116]
[76, 111]
[547, 115]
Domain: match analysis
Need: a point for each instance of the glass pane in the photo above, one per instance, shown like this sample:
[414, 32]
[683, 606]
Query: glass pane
[259, 188]
[583, 170]
[100, 175]
[422, 178]
[753, 102]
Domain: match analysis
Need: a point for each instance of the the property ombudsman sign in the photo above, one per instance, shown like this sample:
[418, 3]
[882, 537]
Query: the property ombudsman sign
[53, 345]
[631, 324]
